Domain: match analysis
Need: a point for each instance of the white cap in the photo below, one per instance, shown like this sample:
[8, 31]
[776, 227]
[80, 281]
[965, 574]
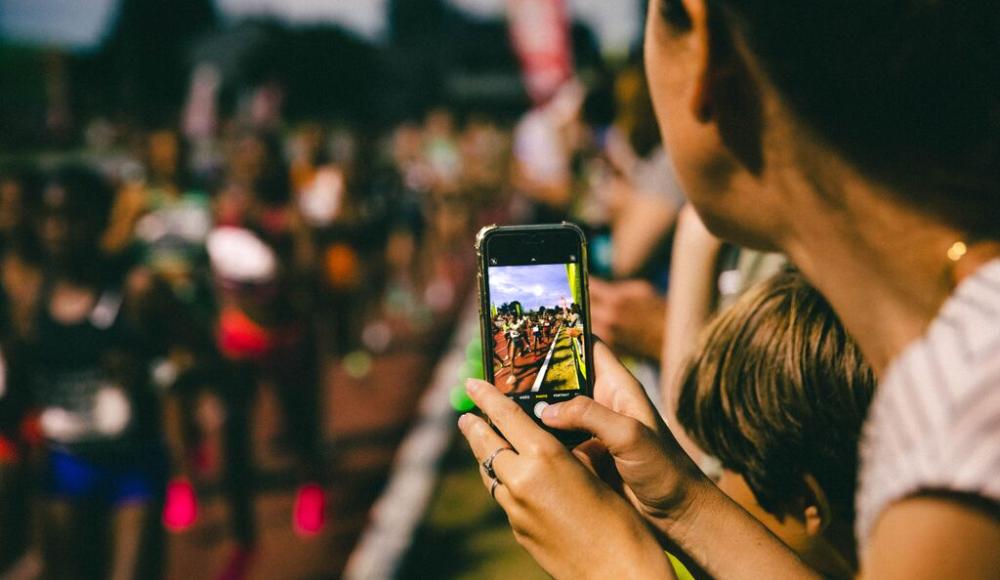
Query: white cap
[238, 255]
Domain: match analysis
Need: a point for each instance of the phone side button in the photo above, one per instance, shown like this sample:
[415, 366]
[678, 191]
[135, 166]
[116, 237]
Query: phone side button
[539, 408]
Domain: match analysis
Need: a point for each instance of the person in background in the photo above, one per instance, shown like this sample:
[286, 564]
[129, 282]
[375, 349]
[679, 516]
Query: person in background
[19, 257]
[441, 151]
[644, 192]
[643, 200]
[262, 259]
[542, 154]
[321, 194]
[160, 222]
[92, 330]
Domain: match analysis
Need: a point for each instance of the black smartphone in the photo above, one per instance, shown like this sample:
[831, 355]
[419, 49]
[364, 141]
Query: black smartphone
[535, 316]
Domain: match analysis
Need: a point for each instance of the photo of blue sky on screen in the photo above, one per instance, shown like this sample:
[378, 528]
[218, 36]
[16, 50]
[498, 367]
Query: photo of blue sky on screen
[532, 286]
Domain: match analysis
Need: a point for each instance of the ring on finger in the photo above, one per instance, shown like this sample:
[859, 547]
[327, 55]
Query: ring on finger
[493, 487]
[488, 462]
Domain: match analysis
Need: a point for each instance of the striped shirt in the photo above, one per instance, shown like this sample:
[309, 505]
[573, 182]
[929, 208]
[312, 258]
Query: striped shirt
[935, 422]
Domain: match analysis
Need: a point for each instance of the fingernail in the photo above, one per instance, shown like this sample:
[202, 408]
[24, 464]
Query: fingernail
[472, 385]
[462, 420]
[551, 412]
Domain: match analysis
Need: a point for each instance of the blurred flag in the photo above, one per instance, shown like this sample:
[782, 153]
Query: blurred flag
[539, 31]
[68, 24]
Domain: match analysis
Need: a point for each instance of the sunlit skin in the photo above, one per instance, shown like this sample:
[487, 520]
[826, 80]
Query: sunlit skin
[164, 152]
[11, 205]
[805, 524]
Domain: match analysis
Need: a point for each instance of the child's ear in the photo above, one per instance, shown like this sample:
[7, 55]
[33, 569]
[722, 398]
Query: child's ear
[816, 514]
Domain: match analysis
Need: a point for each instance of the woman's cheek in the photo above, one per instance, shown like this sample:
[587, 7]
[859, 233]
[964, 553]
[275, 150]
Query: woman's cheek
[704, 170]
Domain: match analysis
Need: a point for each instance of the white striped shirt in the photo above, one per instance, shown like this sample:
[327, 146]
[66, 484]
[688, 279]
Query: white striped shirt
[935, 422]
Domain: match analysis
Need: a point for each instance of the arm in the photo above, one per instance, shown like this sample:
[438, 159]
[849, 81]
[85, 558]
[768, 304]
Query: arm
[726, 541]
[555, 193]
[620, 313]
[685, 508]
[638, 227]
[128, 208]
[689, 302]
[935, 537]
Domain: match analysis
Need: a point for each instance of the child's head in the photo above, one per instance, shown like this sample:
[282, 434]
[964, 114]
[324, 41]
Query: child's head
[778, 394]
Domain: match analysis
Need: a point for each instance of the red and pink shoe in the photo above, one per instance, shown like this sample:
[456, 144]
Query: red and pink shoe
[180, 510]
[309, 512]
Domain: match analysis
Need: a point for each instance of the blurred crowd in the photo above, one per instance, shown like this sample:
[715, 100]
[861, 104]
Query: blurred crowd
[156, 278]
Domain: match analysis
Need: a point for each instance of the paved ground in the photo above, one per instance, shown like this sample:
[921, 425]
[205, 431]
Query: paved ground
[526, 365]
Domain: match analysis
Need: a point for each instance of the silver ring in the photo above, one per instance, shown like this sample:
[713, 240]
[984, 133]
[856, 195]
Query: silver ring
[493, 488]
[488, 463]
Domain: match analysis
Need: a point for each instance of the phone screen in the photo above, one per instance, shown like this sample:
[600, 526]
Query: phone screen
[537, 329]
[535, 315]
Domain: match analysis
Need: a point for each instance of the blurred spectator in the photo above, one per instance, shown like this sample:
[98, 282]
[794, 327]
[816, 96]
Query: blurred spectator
[543, 144]
[92, 329]
[19, 255]
[262, 258]
[621, 313]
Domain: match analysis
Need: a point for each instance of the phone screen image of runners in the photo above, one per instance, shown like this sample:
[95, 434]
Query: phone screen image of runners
[537, 317]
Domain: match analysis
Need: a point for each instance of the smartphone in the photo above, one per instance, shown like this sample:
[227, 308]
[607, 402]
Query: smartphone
[535, 316]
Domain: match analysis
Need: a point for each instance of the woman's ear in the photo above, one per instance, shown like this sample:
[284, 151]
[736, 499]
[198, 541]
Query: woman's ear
[714, 58]
[816, 514]
[726, 91]
[701, 98]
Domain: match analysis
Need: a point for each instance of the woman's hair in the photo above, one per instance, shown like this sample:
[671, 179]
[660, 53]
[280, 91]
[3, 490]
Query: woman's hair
[778, 391]
[907, 90]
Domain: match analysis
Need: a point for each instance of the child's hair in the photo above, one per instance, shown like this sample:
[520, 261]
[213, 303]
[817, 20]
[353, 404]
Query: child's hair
[778, 391]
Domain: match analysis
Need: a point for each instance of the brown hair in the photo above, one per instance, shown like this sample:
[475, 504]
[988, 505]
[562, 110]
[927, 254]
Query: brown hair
[778, 391]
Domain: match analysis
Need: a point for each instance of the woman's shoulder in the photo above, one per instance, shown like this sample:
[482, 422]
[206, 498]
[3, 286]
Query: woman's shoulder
[935, 422]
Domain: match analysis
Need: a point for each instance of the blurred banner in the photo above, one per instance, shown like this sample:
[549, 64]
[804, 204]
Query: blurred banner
[85, 24]
[539, 32]
[69, 24]
[366, 18]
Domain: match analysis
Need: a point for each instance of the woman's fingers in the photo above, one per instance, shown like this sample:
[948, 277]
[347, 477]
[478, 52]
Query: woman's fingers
[508, 417]
[618, 432]
[594, 455]
[484, 441]
[617, 389]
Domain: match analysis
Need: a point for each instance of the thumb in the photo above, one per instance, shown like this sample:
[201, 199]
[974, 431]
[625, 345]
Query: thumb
[654, 470]
[619, 433]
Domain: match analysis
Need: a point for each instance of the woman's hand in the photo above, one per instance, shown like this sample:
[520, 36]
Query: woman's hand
[570, 521]
[664, 484]
[656, 476]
